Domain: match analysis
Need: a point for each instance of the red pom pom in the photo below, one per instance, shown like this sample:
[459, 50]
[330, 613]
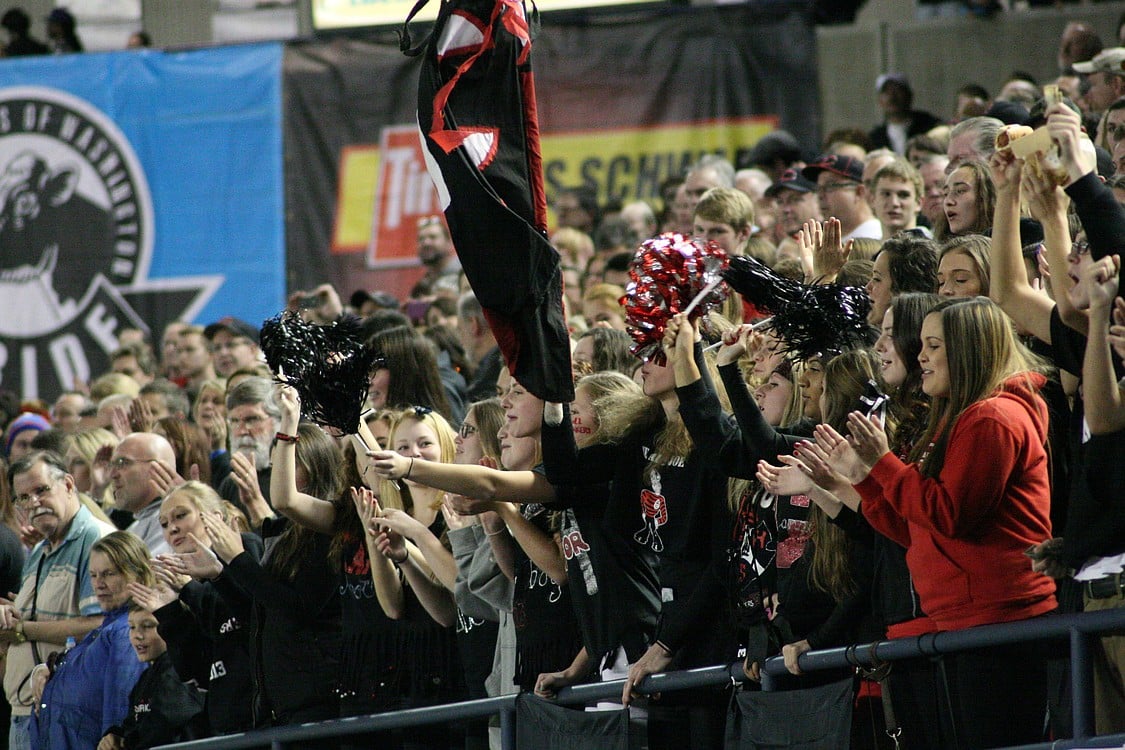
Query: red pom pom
[666, 274]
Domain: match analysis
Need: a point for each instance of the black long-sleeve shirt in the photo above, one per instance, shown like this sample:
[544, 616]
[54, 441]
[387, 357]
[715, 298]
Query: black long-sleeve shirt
[208, 642]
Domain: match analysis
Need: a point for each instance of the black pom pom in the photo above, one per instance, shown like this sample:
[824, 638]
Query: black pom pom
[328, 365]
[810, 319]
[824, 319]
[759, 285]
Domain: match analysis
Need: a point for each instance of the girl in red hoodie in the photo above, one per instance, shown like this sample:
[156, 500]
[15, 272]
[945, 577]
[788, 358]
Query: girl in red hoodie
[974, 495]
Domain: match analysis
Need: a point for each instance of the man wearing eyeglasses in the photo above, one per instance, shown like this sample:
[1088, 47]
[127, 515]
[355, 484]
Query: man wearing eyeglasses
[234, 345]
[841, 194]
[56, 599]
[252, 422]
[139, 484]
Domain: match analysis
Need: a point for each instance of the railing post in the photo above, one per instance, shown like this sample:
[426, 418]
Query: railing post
[1082, 683]
[508, 728]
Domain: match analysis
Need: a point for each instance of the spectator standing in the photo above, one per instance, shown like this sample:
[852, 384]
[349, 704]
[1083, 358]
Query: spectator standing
[900, 122]
[20, 42]
[62, 34]
[973, 498]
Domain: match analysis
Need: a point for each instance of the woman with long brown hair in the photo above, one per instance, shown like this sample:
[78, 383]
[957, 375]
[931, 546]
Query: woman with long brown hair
[972, 498]
[294, 607]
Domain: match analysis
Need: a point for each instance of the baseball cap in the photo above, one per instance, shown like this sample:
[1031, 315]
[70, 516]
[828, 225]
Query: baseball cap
[885, 78]
[791, 179]
[234, 326]
[776, 144]
[384, 300]
[1110, 60]
[846, 166]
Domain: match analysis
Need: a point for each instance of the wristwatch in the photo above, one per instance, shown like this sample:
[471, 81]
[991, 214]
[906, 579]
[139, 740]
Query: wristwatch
[21, 637]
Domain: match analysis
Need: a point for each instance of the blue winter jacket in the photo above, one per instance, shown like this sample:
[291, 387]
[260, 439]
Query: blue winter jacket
[89, 692]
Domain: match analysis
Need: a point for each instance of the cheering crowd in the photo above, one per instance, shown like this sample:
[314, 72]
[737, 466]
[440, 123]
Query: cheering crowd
[183, 556]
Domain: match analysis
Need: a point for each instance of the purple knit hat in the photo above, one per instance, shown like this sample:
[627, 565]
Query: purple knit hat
[26, 421]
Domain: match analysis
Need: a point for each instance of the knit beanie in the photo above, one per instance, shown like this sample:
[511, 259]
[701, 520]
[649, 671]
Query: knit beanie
[25, 421]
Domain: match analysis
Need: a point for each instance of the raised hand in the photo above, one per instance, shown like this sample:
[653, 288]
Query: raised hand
[813, 459]
[809, 238]
[1117, 329]
[225, 541]
[245, 476]
[140, 416]
[1044, 197]
[119, 421]
[152, 598]
[470, 506]
[1005, 169]
[1065, 126]
[391, 545]
[99, 472]
[831, 253]
[200, 563]
[367, 508]
[1101, 278]
[289, 403]
[736, 342]
[679, 338]
[163, 478]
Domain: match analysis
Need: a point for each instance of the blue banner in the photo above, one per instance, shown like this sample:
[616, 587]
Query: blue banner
[136, 188]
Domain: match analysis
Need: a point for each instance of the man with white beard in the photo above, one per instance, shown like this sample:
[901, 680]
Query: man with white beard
[252, 420]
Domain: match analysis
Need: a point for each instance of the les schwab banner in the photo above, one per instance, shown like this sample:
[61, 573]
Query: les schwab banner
[623, 164]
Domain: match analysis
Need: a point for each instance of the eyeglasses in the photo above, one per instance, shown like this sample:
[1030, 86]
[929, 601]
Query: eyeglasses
[36, 495]
[831, 187]
[121, 462]
[790, 198]
[429, 221]
[248, 422]
[1080, 248]
[467, 430]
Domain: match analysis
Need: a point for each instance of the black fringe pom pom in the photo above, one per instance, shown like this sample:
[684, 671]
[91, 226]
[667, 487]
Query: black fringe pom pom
[809, 319]
[328, 365]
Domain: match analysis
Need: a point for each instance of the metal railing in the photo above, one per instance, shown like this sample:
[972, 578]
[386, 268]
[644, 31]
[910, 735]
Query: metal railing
[1080, 629]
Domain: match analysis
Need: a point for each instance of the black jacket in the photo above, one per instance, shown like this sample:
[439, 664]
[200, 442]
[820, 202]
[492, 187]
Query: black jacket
[208, 642]
[162, 709]
[294, 634]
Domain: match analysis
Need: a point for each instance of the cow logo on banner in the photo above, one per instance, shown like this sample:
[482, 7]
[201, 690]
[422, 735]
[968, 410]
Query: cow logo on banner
[76, 235]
